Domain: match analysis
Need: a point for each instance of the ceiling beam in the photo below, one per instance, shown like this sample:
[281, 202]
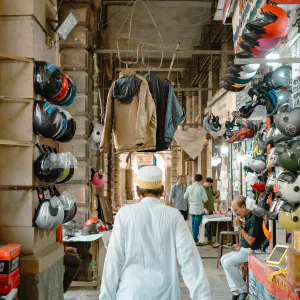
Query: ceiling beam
[206, 52]
[194, 89]
[153, 70]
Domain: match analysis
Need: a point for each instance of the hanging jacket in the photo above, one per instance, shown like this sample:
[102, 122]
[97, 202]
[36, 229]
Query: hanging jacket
[168, 110]
[174, 115]
[130, 115]
[159, 88]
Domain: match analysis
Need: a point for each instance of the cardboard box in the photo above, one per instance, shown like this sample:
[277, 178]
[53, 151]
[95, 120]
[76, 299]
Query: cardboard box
[6, 278]
[5, 288]
[293, 275]
[9, 258]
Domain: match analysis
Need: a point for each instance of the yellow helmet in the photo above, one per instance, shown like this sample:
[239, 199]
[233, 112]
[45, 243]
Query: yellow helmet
[290, 220]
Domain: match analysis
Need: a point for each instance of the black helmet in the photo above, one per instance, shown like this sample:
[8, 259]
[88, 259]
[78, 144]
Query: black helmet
[282, 77]
[47, 83]
[228, 86]
[46, 167]
[69, 133]
[249, 49]
[261, 208]
[250, 68]
[289, 155]
[287, 120]
[47, 120]
[270, 183]
[243, 54]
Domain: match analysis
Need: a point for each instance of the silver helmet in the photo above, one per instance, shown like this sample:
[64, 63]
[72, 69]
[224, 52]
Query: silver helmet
[289, 186]
[282, 77]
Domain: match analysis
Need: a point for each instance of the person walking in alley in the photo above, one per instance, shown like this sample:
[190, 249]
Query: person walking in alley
[176, 197]
[196, 196]
[252, 239]
[140, 262]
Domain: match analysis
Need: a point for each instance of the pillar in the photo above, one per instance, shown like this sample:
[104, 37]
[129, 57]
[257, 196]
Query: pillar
[22, 33]
[116, 179]
[174, 162]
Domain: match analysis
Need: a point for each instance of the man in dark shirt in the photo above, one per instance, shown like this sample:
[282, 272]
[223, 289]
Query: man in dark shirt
[252, 239]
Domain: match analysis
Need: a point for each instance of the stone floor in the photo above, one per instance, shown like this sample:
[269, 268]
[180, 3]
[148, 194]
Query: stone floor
[216, 277]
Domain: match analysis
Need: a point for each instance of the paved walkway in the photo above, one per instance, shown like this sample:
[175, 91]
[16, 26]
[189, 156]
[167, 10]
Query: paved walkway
[216, 277]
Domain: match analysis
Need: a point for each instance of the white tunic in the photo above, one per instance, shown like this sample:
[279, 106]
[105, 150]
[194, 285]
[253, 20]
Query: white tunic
[140, 263]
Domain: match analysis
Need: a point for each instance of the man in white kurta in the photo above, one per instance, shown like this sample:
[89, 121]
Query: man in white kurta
[141, 263]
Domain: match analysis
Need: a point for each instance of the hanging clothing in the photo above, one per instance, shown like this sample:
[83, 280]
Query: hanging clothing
[130, 114]
[169, 113]
[141, 263]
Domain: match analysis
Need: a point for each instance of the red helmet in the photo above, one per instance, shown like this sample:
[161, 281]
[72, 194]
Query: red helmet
[98, 178]
[259, 187]
[272, 25]
[91, 221]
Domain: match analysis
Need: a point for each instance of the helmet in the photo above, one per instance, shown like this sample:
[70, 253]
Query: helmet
[228, 86]
[259, 185]
[248, 48]
[96, 134]
[271, 159]
[274, 136]
[257, 163]
[243, 54]
[89, 229]
[272, 25]
[287, 120]
[46, 167]
[70, 207]
[289, 186]
[289, 155]
[237, 81]
[69, 133]
[50, 214]
[290, 220]
[243, 68]
[68, 231]
[46, 83]
[283, 97]
[91, 221]
[47, 120]
[70, 163]
[70, 97]
[264, 44]
[261, 208]
[64, 90]
[282, 77]
[270, 183]
[279, 204]
[98, 178]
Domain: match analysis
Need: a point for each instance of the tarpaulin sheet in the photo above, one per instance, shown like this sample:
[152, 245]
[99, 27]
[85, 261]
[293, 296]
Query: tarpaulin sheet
[191, 141]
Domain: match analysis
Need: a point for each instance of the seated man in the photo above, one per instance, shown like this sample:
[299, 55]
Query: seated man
[252, 239]
[72, 262]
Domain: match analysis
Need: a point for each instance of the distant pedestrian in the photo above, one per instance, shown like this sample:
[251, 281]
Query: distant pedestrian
[197, 197]
[176, 197]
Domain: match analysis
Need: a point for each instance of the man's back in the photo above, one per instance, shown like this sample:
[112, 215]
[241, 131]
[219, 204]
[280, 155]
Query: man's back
[196, 194]
[141, 258]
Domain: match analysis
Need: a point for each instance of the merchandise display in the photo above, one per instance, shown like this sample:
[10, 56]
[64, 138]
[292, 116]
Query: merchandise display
[53, 85]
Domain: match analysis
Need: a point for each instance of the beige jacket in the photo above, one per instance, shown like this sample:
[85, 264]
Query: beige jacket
[133, 124]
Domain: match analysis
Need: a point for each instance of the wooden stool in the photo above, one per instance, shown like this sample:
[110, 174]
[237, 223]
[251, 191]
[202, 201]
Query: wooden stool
[234, 234]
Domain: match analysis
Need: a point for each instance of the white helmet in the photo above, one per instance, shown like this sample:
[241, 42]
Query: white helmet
[69, 205]
[289, 186]
[50, 214]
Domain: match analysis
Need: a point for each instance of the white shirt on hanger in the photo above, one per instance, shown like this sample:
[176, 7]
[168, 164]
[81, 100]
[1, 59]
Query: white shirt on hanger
[141, 263]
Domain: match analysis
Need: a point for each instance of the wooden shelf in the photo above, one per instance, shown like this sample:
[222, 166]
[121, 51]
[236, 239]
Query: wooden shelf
[16, 143]
[4, 56]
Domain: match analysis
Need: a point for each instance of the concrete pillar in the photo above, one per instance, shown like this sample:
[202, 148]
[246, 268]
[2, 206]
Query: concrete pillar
[189, 110]
[117, 176]
[195, 107]
[174, 162]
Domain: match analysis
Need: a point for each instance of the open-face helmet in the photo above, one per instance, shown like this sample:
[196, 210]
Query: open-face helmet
[282, 77]
[288, 155]
[287, 120]
[288, 185]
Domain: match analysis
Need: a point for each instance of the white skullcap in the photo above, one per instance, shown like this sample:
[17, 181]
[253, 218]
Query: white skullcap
[149, 177]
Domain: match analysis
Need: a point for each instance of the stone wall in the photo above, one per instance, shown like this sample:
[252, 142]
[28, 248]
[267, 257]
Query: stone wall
[23, 30]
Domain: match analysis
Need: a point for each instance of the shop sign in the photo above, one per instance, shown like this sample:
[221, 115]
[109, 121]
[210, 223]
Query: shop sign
[144, 160]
